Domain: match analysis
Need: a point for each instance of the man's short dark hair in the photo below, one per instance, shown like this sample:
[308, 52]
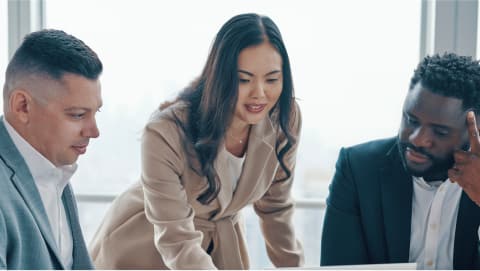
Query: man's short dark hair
[51, 53]
[450, 75]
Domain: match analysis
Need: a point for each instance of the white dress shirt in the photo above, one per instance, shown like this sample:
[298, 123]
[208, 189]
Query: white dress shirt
[50, 182]
[434, 220]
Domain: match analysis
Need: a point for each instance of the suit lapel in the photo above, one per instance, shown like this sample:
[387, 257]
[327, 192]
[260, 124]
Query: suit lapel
[25, 185]
[27, 189]
[397, 190]
[468, 220]
[81, 259]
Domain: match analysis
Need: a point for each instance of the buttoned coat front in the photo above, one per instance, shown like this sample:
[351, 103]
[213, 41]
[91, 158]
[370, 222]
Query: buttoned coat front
[159, 223]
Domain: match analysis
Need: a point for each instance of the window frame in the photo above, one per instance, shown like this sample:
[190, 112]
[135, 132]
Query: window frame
[445, 26]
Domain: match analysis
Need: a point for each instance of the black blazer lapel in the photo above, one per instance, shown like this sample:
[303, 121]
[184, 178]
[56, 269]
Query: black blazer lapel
[397, 190]
[465, 252]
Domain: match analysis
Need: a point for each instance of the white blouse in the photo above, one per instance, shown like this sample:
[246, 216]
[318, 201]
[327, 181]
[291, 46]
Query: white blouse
[235, 165]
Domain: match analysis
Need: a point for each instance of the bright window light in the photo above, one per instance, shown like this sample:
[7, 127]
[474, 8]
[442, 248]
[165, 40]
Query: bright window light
[351, 62]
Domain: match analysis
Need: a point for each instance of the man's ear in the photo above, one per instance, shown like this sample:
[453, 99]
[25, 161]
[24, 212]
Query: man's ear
[20, 105]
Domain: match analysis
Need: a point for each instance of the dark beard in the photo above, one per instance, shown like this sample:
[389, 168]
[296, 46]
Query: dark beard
[439, 168]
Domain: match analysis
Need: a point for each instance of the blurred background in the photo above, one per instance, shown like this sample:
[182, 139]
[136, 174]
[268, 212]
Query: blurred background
[351, 60]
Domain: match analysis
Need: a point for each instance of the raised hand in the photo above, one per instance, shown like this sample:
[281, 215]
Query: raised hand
[466, 170]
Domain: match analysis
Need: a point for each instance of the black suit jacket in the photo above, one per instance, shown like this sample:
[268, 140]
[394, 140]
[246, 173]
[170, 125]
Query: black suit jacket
[368, 215]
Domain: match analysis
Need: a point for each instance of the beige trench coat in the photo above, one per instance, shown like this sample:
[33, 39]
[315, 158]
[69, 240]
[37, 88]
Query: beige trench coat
[158, 223]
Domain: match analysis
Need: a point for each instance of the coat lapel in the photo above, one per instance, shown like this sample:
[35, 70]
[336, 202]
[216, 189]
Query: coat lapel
[256, 168]
[260, 148]
[397, 191]
[468, 220]
[81, 259]
[24, 183]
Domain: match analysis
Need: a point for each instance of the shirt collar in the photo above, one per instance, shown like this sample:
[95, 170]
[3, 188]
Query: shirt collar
[433, 185]
[42, 170]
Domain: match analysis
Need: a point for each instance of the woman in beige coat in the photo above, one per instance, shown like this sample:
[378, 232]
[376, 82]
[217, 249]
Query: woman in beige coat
[229, 140]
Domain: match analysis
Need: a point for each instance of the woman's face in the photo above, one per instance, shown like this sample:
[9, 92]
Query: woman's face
[260, 83]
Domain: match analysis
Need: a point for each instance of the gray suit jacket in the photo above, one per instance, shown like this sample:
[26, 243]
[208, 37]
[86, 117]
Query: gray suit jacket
[26, 239]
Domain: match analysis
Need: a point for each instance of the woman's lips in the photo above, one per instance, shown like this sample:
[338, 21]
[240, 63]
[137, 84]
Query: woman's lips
[255, 108]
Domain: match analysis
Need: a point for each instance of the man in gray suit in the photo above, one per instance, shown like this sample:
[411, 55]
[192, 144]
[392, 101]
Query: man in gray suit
[51, 95]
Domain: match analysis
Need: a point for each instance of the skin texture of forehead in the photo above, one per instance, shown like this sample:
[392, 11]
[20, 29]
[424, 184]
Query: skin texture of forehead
[264, 53]
[440, 109]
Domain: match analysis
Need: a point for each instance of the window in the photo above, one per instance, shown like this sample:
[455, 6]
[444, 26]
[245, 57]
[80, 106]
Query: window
[3, 45]
[351, 62]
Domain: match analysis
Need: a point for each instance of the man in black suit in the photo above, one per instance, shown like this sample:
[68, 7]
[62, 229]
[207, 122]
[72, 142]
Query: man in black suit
[411, 198]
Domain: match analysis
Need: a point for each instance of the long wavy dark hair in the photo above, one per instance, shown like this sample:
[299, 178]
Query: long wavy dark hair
[212, 97]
